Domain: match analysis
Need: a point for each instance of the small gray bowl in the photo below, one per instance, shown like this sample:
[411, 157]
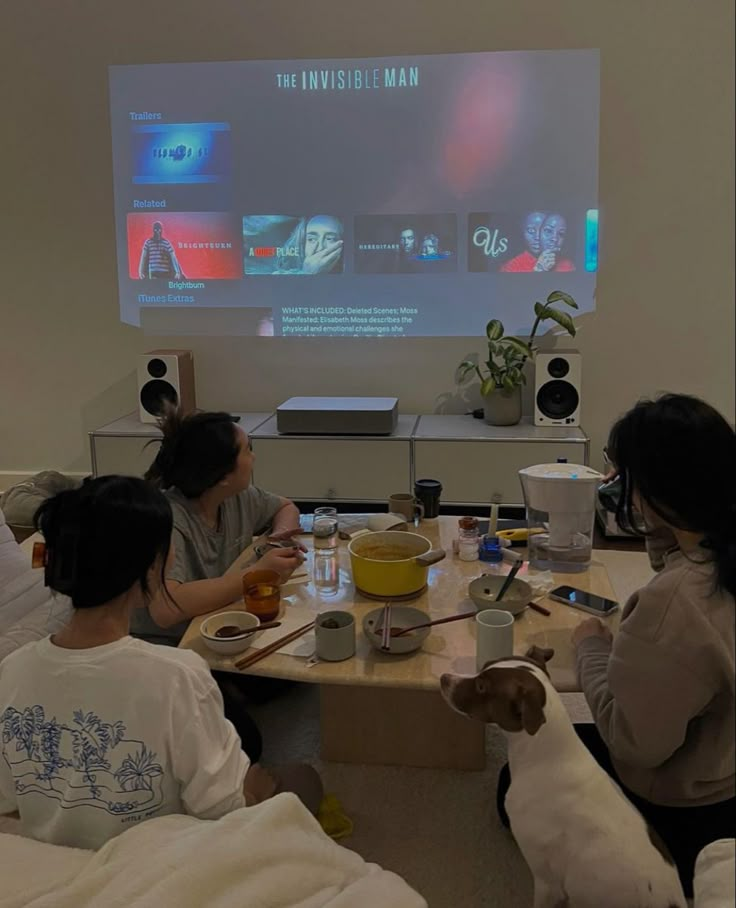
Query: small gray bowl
[401, 616]
[483, 591]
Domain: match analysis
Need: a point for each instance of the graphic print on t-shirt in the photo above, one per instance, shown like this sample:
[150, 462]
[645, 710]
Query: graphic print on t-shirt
[85, 763]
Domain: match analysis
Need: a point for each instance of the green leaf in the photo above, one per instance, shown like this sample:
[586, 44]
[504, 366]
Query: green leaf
[508, 383]
[540, 310]
[564, 320]
[488, 385]
[557, 296]
[492, 348]
[494, 330]
[519, 346]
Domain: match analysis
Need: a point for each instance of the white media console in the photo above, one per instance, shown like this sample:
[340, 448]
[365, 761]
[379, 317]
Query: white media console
[475, 463]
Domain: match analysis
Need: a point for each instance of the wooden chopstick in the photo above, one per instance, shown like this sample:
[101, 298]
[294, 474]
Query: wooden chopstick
[416, 627]
[273, 647]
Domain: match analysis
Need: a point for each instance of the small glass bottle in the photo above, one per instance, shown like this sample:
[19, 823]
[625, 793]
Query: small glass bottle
[490, 551]
[468, 538]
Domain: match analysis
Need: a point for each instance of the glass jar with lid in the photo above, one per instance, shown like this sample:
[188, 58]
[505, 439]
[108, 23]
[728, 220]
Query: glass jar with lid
[468, 538]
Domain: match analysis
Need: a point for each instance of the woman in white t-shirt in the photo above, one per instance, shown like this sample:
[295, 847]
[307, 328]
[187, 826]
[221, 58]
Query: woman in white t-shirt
[99, 730]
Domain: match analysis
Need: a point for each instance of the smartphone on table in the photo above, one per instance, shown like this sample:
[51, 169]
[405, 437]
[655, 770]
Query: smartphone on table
[586, 602]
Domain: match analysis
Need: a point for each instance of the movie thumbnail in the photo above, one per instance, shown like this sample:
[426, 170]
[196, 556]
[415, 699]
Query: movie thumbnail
[186, 245]
[405, 244]
[522, 242]
[181, 153]
[293, 244]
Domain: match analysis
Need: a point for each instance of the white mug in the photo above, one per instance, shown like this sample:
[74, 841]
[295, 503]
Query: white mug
[495, 636]
[333, 644]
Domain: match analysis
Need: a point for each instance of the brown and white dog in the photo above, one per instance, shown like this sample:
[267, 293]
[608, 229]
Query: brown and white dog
[585, 843]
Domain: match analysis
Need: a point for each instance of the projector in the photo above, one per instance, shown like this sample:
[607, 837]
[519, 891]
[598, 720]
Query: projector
[337, 416]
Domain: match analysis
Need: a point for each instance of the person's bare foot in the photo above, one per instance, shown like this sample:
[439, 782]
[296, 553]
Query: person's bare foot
[303, 781]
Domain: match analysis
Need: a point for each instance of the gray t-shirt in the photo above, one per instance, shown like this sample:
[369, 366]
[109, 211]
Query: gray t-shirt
[203, 553]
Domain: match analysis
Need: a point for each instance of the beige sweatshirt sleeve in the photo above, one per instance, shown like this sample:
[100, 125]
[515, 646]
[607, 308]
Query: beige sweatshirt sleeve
[641, 699]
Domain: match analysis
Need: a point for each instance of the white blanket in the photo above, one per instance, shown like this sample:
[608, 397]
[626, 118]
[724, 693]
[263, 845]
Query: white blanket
[715, 872]
[271, 856]
[28, 610]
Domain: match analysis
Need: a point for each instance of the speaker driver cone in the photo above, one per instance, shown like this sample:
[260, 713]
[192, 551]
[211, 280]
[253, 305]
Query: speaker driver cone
[557, 399]
[157, 368]
[155, 394]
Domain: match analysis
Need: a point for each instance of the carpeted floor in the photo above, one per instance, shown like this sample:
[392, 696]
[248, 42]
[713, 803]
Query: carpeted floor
[436, 828]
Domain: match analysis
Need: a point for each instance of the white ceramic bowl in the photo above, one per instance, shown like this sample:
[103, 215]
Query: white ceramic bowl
[483, 591]
[228, 646]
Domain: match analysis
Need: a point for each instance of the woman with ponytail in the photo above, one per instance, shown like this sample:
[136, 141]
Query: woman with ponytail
[204, 466]
[662, 691]
[100, 730]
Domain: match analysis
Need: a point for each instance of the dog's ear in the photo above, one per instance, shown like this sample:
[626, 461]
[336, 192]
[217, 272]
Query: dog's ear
[540, 656]
[517, 701]
[531, 708]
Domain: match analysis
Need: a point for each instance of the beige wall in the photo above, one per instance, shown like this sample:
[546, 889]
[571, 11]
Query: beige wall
[666, 285]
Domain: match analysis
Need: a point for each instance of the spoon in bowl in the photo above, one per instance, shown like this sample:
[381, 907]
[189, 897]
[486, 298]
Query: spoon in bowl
[416, 627]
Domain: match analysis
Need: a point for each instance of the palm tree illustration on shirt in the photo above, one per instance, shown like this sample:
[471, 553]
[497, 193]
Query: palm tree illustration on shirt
[87, 762]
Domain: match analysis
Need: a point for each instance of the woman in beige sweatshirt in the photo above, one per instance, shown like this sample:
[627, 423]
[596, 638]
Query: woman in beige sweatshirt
[662, 691]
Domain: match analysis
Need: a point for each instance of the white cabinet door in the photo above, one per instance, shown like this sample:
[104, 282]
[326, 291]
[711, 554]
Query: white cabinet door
[334, 469]
[478, 471]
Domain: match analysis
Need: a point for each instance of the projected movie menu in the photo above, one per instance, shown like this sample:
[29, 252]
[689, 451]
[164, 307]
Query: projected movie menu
[410, 190]
[207, 245]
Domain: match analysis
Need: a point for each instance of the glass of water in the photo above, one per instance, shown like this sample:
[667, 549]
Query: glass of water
[326, 572]
[324, 529]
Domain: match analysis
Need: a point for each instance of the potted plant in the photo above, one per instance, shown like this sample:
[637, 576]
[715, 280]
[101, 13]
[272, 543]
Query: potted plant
[504, 373]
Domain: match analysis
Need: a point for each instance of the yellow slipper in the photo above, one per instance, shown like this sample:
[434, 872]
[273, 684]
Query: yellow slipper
[333, 819]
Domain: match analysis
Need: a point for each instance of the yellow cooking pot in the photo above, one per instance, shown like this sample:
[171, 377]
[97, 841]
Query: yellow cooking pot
[392, 563]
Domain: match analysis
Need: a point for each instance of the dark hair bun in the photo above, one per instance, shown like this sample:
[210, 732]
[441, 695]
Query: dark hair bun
[197, 451]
